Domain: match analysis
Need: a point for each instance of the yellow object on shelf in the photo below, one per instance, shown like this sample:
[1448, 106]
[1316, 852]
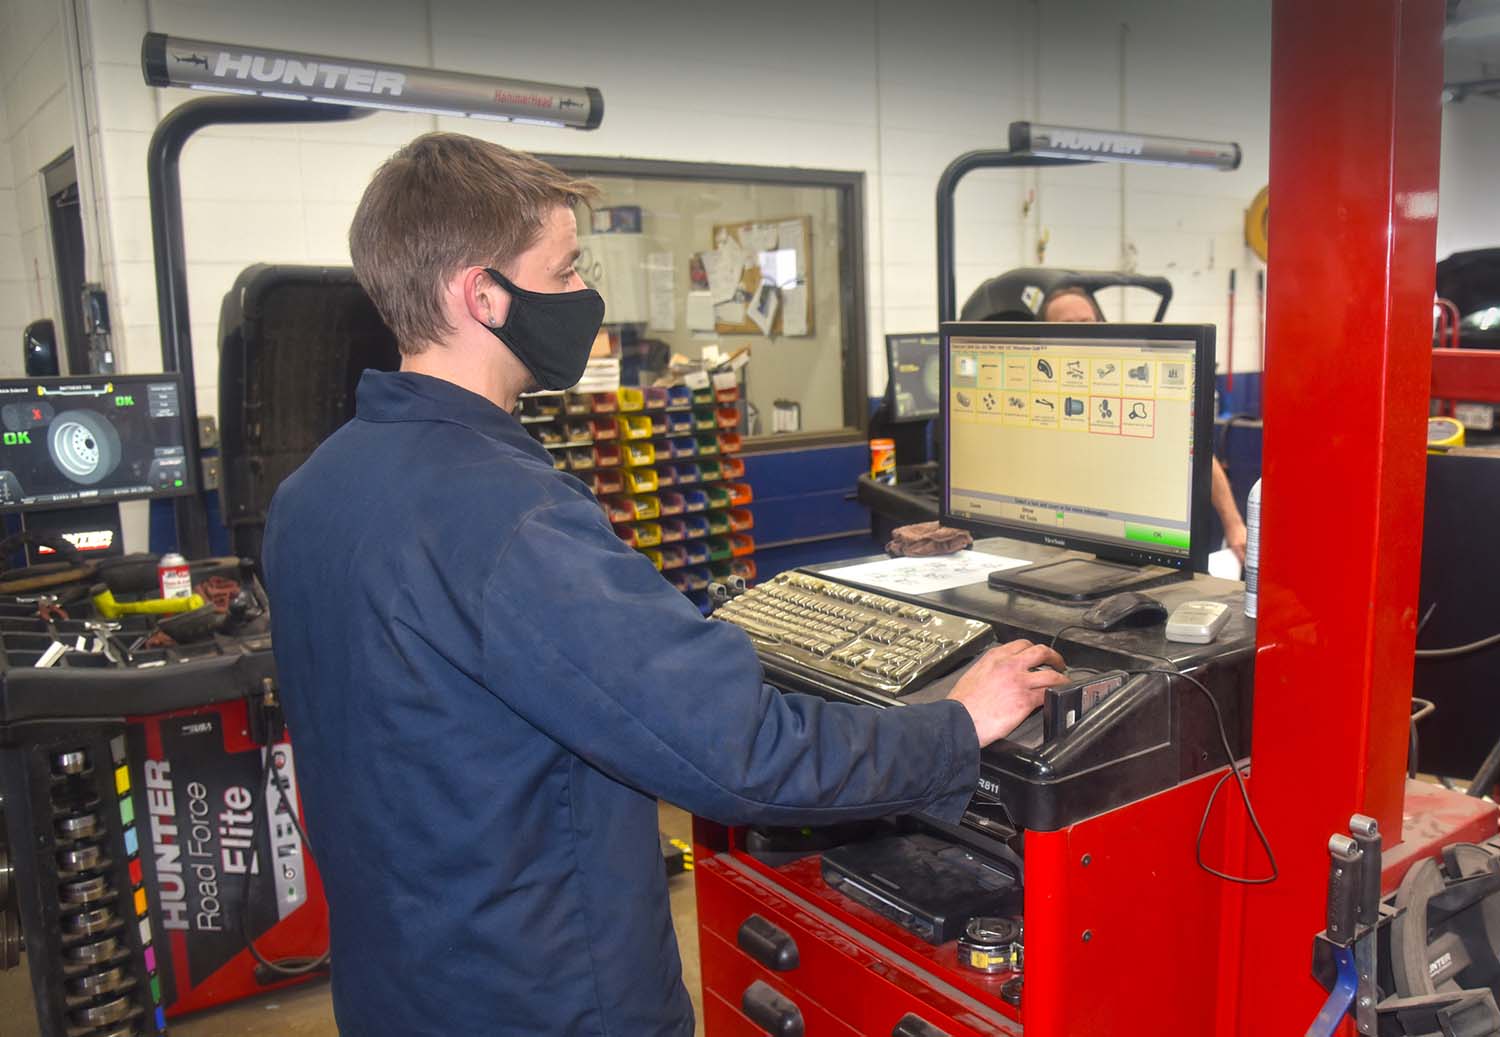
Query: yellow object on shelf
[1443, 434]
[636, 426]
[641, 480]
[647, 507]
[647, 534]
[637, 454]
[630, 399]
[109, 608]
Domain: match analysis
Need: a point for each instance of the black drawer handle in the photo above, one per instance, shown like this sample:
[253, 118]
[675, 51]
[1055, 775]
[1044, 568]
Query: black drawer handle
[916, 1026]
[768, 944]
[770, 1011]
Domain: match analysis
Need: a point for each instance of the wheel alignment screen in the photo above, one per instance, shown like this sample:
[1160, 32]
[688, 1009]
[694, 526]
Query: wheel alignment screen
[71, 441]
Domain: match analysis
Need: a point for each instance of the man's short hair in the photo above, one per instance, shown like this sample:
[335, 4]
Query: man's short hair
[444, 202]
[1066, 290]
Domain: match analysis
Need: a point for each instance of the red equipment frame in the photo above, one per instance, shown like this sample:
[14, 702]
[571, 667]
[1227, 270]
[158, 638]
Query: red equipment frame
[1471, 375]
[1355, 120]
[1124, 933]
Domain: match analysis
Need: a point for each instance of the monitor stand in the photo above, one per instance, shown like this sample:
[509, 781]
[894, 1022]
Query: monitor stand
[1083, 579]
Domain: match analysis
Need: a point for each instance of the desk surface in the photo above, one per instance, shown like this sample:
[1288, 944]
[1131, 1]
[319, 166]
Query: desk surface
[1016, 615]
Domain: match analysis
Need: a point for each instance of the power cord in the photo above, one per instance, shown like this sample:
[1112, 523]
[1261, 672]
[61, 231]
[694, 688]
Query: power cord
[271, 771]
[1456, 650]
[1234, 771]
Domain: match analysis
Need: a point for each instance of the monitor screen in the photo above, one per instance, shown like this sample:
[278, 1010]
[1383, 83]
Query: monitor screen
[914, 377]
[89, 440]
[1083, 436]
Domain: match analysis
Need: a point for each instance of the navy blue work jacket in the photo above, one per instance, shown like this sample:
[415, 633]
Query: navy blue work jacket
[487, 691]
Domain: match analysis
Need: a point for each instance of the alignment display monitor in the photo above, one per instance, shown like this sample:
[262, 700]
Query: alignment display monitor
[73, 441]
[914, 376]
[1082, 436]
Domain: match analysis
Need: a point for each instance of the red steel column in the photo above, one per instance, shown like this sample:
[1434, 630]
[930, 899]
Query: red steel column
[1355, 120]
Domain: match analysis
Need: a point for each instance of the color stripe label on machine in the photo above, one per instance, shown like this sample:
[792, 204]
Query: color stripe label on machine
[140, 902]
[145, 931]
[122, 780]
[127, 811]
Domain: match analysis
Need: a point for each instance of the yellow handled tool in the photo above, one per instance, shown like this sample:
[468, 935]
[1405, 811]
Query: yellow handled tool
[109, 608]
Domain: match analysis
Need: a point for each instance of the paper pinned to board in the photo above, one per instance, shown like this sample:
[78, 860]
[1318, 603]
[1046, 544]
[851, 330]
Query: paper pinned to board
[700, 311]
[779, 266]
[732, 312]
[759, 237]
[763, 307]
[724, 266]
[789, 234]
[794, 310]
[926, 575]
[661, 291]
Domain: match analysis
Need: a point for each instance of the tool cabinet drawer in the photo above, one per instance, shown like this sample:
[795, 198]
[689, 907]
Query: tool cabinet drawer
[770, 1003]
[800, 948]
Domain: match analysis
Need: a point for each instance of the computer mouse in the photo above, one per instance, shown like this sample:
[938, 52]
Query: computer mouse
[1126, 609]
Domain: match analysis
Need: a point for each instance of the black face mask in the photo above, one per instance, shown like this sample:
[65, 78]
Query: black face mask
[551, 333]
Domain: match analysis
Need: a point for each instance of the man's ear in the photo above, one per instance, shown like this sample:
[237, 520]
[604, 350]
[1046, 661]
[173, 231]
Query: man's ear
[486, 301]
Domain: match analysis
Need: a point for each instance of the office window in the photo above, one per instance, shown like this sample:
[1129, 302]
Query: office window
[693, 257]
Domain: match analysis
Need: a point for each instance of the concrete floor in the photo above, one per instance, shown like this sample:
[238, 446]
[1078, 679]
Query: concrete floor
[307, 1011]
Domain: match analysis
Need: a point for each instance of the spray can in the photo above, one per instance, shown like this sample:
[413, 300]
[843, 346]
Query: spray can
[883, 461]
[174, 576]
[1252, 550]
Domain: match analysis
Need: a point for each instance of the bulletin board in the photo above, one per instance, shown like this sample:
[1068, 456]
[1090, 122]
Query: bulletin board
[750, 235]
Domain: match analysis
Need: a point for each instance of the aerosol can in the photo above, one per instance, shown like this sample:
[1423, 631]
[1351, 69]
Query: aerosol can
[1252, 550]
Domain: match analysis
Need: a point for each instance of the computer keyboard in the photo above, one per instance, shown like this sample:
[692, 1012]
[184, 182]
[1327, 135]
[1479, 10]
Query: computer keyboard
[852, 635]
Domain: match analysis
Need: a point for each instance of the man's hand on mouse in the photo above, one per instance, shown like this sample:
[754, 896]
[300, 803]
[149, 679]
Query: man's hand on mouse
[1003, 686]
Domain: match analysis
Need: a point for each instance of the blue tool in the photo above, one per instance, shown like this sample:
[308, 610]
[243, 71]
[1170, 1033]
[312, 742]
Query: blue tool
[1348, 890]
[1336, 1009]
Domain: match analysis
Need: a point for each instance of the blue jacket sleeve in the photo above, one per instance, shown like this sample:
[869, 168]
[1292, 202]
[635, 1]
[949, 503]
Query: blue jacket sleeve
[586, 641]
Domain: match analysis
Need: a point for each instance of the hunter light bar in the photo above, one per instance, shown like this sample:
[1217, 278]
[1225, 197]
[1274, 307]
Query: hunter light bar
[1042, 140]
[231, 68]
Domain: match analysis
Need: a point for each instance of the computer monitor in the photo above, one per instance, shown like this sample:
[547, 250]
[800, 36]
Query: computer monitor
[70, 442]
[1094, 437]
[914, 381]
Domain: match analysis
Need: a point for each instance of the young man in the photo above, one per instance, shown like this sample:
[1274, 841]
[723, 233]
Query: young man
[1076, 306]
[488, 691]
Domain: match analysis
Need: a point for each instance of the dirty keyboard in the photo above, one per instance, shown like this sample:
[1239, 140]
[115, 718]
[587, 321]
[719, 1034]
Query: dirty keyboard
[852, 635]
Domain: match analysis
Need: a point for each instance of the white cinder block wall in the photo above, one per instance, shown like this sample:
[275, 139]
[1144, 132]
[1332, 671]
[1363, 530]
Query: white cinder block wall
[891, 89]
[36, 128]
[1468, 202]
[1468, 199]
[13, 305]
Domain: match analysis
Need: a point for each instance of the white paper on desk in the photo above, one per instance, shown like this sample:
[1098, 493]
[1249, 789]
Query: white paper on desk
[1224, 565]
[794, 310]
[661, 292]
[925, 575]
[759, 237]
[729, 312]
[700, 311]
